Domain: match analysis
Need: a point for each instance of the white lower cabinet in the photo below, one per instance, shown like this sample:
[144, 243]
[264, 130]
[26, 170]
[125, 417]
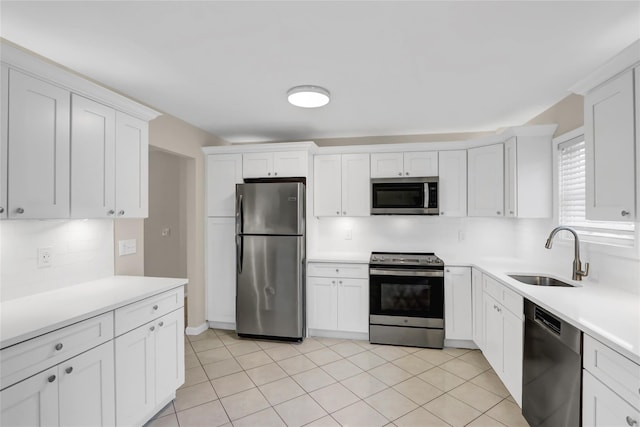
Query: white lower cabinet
[457, 304]
[339, 300]
[503, 334]
[221, 270]
[149, 368]
[610, 387]
[77, 392]
[478, 307]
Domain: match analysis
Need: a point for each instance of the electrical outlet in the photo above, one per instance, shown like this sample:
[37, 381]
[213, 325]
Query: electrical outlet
[45, 257]
[347, 234]
[166, 232]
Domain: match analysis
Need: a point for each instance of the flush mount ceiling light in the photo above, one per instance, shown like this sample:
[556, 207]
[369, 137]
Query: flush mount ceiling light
[308, 96]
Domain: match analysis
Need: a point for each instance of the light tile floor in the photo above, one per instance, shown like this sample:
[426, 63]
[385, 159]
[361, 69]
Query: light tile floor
[232, 381]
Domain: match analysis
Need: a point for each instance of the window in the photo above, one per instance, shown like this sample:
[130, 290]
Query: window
[572, 199]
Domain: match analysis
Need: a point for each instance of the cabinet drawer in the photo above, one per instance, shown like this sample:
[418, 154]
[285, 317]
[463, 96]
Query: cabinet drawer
[616, 371]
[511, 300]
[133, 315]
[29, 357]
[356, 271]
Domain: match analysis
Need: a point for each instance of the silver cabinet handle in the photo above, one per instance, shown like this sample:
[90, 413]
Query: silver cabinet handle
[59, 346]
[1, 209]
[20, 210]
[340, 282]
[153, 328]
[52, 378]
[110, 212]
[121, 213]
[407, 173]
[498, 213]
[161, 324]
[624, 213]
[399, 173]
[631, 421]
[511, 212]
[268, 173]
[69, 369]
[448, 271]
[155, 307]
[441, 213]
[344, 212]
[337, 212]
[275, 173]
[333, 282]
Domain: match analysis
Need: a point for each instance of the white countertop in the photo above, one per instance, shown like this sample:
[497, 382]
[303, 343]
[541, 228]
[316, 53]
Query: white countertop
[340, 257]
[608, 314]
[28, 317]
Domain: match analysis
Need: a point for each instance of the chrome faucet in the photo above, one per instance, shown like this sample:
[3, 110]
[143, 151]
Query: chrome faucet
[578, 273]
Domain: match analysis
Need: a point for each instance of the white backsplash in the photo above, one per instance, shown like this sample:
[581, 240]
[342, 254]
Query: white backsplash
[82, 251]
[471, 239]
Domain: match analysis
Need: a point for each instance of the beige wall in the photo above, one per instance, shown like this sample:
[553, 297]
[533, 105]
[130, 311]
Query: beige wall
[170, 134]
[568, 114]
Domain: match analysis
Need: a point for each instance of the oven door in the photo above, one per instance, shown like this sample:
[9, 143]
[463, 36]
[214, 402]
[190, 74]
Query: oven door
[406, 297]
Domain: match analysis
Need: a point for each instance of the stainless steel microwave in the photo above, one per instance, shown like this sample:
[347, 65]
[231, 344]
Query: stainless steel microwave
[404, 196]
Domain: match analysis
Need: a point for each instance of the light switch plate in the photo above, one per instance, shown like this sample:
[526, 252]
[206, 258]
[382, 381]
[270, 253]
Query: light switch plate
[127, 247]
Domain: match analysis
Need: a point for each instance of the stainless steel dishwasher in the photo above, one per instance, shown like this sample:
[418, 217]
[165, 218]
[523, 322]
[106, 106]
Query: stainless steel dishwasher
[552, 370]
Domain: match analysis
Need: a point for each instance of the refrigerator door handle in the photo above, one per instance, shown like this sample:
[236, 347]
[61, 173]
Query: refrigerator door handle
[239, 215]
[239, 252]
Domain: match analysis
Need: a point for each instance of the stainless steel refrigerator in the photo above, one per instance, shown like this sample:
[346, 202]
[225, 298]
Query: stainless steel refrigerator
[270, 243]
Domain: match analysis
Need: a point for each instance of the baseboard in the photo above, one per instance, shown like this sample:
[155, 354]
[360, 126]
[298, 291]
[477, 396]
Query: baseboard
[229, 326]
[190, 330]
[362, 336]
[460, 344]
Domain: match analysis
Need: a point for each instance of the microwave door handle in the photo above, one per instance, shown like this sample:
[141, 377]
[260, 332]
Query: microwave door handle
[426, 194]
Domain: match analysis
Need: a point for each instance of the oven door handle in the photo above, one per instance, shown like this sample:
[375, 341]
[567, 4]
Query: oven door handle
[410, 273]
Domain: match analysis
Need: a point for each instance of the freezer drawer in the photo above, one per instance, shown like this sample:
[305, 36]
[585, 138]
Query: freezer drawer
[270, 286]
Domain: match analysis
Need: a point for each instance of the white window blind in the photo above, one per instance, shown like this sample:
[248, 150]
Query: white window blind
[572, 199]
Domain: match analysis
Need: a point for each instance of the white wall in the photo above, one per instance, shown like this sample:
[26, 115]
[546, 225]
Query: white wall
[82, 251]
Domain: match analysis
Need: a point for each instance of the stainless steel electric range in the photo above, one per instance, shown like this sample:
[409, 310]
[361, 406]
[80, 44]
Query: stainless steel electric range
[406, 299]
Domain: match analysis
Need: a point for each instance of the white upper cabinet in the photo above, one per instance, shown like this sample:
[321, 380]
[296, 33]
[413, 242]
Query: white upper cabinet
[93, 150]
[486, 181]
[132, 167]
[224, 171]
[4, 116]
[341, 185]
[38, 146]
[528, 173]
[109, 162]
[453, 183]
[278, 164]
[610, 150]
[394, 165]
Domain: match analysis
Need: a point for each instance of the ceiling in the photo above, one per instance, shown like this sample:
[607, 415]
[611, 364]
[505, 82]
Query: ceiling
[392, 67]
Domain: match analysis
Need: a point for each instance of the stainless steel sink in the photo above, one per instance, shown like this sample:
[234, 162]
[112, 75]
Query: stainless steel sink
[540, 280]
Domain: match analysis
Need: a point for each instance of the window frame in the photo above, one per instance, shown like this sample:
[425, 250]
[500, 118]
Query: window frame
[610, 246]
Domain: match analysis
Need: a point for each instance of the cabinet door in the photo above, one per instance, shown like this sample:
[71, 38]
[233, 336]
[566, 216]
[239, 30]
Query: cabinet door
[457, 303]
[493, 334]
[609, 125]
[486, 181]
[356, 185]
[510, 178]
[38, 144]
[512, 354]
[32, 402]
[327, 185]
[322, 303]
[601, 407]
[4, 121]
[135, 375]
[93, 139]
[132, 167]
[257, 165]
[221, 270]
[453, 183]
[478, 307]
[421, 163]
[353, 305]
[169, 354]
[224, 171]
[387, 165]
[290, 163]
[86, 389]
